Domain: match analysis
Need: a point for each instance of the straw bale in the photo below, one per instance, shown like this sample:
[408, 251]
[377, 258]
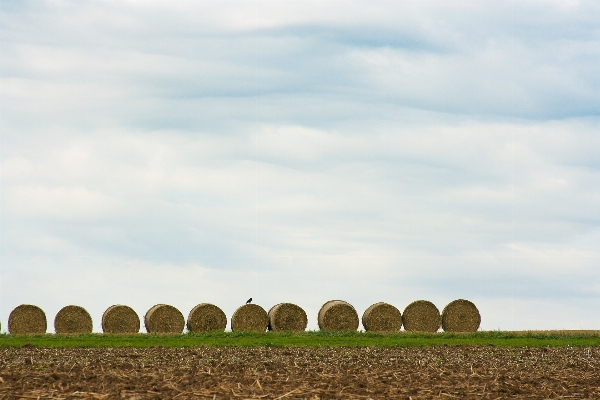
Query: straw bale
[249, 317]
[120, 319]
[72, 319]
[27, 319]
[421, 316]
[337, 315]
[287, 317]
[206, 317]
[460, 316]
[382, 317]
[163, 318]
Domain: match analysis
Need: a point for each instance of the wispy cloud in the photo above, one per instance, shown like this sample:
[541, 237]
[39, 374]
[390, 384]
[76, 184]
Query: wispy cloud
[188, 152]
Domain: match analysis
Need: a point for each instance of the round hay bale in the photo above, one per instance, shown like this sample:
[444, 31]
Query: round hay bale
[206, 317]
[27, 319]
[249, 317]
[421, 316]
[163, 318]
[72, 319]
[287, 317]
[460, 316]
[120, 319]
[337, 315]
[382, 317]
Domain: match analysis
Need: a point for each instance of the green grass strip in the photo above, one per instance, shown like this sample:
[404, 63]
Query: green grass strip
[305, 339]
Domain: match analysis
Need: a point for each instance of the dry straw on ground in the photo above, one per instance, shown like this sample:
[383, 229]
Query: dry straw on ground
[120, 319]
[163, 318]
[337, 315]
[206, 317]
[382, 317]
[249, 317]
[460, 316]
[284, 373]
[72, 319]
[421, 316]
[287, 317]
[27, 319]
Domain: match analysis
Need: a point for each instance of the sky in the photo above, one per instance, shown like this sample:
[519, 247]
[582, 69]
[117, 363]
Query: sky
[301, 151]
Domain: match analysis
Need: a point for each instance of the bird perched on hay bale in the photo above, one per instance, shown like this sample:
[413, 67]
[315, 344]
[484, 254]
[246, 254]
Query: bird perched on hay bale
[249, 317]
[249, 300]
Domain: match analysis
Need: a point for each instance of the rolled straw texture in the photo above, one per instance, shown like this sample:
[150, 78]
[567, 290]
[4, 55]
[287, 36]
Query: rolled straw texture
[72, 320]
[287, 317]
[27, 319]
[250, 317]
[163, 318]
[421, 316]
[337, 315]
[119, 319]
[206, 317]
[382, 317]
[461, 316]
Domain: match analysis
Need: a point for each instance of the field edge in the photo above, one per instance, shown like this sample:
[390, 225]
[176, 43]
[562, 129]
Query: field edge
[309, 339]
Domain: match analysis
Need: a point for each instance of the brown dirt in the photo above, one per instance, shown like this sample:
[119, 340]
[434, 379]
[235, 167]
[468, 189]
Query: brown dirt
[300, 373]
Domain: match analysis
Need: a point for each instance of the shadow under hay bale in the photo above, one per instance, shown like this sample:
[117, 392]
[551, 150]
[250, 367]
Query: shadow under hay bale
[337, 315]
[249, 317]
[163, 318]
[27, 319]
[206, 317]
[382, 317]
[72, 320]
[287, 317]
[120, 319]
[460, 316]
[421, 316]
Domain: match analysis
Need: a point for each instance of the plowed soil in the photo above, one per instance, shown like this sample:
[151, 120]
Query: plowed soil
[300, 373]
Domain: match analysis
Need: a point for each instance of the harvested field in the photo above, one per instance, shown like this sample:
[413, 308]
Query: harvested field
[301, 373]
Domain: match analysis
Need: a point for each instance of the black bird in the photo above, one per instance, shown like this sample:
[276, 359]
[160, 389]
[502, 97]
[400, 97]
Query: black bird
[249, 300]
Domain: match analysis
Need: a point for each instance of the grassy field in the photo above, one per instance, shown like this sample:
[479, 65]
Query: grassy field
[310, 339]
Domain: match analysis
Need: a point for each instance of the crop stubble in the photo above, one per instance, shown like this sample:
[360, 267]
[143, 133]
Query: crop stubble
[300, 372]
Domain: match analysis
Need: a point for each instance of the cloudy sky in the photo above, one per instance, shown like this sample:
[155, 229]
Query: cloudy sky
[188, 152]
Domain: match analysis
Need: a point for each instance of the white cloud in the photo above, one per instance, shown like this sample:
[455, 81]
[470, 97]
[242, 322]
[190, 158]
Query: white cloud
[189, 152]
